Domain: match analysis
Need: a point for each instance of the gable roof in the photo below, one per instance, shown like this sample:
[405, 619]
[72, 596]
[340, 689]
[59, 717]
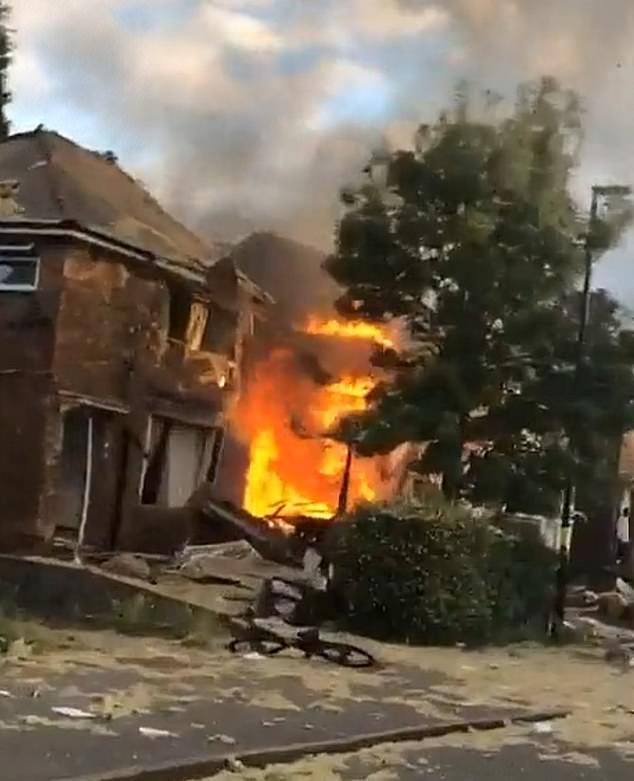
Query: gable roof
[58, 180]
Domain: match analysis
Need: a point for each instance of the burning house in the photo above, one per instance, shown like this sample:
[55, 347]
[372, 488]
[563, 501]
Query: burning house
[305, 371]
[121, 348]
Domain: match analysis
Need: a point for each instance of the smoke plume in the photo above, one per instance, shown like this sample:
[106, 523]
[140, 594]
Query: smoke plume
[250, 114]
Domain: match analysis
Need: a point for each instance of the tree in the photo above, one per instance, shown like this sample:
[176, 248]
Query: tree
[476, 243]
[527, 455]
[6, 47]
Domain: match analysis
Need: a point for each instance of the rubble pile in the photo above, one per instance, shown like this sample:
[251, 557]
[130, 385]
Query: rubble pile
[616, 605]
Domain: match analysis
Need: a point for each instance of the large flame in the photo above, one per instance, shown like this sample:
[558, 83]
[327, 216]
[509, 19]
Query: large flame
[294, 467]
[353, 329]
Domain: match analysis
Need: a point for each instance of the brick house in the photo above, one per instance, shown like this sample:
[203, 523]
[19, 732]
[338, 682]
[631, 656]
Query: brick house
[121, 337]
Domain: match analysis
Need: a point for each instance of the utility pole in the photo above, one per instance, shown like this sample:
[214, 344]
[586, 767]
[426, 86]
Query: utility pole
[569, 488]
[344, 492]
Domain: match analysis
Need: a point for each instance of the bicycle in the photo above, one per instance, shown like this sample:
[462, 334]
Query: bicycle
[254, 637]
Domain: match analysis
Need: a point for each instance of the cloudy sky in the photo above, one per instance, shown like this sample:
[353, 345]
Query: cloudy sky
[245, 114]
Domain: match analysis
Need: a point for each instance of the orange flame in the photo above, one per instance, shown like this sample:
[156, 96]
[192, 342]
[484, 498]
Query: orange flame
[356, 329]
[294, 467]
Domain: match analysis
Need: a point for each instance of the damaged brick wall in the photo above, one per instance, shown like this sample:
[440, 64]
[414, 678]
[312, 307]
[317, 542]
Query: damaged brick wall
[93, 334]
[27, 329]
[24, 400]
[159, 530]
[106, 315]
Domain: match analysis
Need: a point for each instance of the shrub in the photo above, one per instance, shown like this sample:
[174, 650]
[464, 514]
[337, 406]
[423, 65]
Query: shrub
[438, 576]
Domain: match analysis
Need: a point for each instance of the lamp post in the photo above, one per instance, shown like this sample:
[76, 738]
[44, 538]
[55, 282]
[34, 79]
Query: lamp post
[598, 191]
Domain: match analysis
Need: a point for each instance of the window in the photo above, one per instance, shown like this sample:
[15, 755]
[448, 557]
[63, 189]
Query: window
[217, 443]
[196, 327]
[19, 268]
[155, 461]
[180, 309]
[220, 332]
[179, 458]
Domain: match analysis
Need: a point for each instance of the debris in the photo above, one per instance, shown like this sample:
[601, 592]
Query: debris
[5, 693]
[282, 589]
[234, 765]
[268, 540]
[239, 549]
[295, 601]
[543, 728]
[226, 739]
[625, 590]
[72, 713]
[612, 605]
[150, 732]
[203, 568]
[20, 649]
[31, 720]
[285, 608]
[313, 562]
[253, 655]
[582, 598]
[618, 654]
[128, 565]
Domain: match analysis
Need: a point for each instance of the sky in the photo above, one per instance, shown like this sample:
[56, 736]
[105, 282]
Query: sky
[251, 114]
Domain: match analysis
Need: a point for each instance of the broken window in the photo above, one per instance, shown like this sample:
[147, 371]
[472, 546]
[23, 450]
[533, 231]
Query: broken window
[196, 327]
[221, 332]
[155, 461]
[179, 313]
[19, 268]
[88, 503]
[217, 442]
[178, 460]
[73, 470]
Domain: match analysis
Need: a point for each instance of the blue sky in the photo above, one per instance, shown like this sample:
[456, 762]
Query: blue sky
[245, 114]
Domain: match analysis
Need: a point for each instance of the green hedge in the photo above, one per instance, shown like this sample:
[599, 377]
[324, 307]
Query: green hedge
[439, 576]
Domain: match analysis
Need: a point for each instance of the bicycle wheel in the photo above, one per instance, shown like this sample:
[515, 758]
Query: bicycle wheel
[344, 655]
[253, 645]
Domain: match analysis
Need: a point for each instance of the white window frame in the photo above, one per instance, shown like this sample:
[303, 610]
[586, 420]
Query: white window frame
[146, 454]
[16, 260]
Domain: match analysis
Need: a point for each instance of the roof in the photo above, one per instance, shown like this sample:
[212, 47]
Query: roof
[228, 278]
[58, 180]
[52, 186]
[291, 272]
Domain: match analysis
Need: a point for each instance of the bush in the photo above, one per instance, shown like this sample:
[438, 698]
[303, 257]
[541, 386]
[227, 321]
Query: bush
[438, 576]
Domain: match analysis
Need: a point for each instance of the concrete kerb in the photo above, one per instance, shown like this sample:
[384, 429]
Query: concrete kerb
[202, 767]
[84, 595]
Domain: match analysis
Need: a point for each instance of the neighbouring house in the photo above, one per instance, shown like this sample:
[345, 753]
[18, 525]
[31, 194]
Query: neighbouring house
[121, 338]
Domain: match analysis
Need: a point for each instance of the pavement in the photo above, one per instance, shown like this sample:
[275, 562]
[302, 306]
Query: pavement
[501, 756]
[135, 708]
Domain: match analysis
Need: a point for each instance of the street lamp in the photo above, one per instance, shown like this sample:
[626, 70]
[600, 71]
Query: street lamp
[598, 191]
